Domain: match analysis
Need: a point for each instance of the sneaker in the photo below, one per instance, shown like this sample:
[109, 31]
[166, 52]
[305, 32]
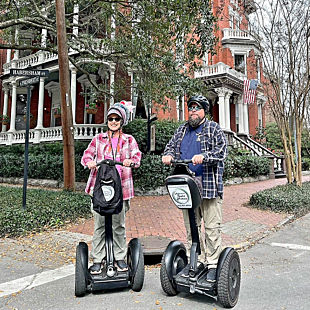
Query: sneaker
[121, 265]
[211, 276]
[96, 268]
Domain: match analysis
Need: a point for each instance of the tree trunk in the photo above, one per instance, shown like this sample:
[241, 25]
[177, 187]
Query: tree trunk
[299, 162]
[66, 115]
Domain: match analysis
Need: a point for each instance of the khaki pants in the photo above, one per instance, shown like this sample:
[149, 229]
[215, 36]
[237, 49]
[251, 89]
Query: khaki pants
[98, 252]
[210, 211]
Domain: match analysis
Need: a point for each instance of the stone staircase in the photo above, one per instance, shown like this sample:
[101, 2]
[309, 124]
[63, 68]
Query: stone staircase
[277, 166]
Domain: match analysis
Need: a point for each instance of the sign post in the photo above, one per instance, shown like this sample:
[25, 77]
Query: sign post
[34, 78]
[151, 132]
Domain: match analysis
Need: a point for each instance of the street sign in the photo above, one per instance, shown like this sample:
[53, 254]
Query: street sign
[30, 81]
[29, 72]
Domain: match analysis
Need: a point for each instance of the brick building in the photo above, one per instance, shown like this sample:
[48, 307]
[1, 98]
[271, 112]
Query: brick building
[236, 60]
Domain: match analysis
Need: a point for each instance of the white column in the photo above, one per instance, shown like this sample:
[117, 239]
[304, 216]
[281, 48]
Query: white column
[40, 104]
[76, 19]
[16, 52]
[43, 37]
[240, 114]
[5, 104]
[13, 107]
[112, 81]
[113, 24]
[227, 109]
[8, 56]
[221, 102]
[246, 118]
[73, 93]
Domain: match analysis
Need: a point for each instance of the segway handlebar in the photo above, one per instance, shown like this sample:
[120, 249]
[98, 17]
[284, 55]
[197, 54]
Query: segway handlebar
[112, 162]
[181, 161]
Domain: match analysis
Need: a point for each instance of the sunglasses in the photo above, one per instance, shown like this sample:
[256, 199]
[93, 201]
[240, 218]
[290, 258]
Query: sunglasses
[116, 119]
[194, 108]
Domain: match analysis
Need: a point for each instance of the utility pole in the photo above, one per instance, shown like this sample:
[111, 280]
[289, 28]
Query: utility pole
[66, 109]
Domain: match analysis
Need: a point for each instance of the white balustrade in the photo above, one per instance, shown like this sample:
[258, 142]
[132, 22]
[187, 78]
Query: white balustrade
[81, 132]
[216, 69]
[30, 60]
[236, 34]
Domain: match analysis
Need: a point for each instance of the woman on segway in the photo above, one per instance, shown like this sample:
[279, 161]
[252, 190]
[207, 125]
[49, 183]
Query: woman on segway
[112, 144]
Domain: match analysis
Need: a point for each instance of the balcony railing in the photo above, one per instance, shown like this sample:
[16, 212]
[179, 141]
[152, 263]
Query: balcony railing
[81, 132]
[229, 33]
[31, 60]
[219, 68]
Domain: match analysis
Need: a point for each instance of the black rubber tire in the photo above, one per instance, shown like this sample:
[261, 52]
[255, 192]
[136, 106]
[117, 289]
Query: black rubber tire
[229, 278]
[138, 279]
[179, 262]
[80, 271]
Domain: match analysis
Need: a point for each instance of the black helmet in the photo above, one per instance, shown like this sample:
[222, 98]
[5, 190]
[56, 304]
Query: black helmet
[201, 100]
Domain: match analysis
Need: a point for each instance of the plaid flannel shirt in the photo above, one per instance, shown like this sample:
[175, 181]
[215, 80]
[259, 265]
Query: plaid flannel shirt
[213, 148]
[99, 149]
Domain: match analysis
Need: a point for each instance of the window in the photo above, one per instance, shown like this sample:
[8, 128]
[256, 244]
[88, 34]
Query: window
[258, 70]
[260, 116]
[88, 118]
[240, 63]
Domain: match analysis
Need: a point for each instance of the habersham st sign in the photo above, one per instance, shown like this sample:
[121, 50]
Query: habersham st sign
[29, 72]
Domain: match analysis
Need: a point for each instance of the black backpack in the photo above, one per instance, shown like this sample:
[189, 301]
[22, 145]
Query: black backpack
[108, 195]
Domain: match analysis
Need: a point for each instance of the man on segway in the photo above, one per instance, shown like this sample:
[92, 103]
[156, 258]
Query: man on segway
[204, 142]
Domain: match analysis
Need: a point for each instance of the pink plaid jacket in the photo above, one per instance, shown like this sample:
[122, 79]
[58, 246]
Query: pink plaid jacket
[99, 148]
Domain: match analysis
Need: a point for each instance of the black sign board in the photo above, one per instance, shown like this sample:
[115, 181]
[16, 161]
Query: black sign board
[30, 81]
[29, 72]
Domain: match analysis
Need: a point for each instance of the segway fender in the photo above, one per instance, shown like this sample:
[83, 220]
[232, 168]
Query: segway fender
[83, 247]
[134, 245]
[222, 258]
[173, 248]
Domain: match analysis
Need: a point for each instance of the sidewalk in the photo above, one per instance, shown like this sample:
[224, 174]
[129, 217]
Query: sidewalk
[157, 221]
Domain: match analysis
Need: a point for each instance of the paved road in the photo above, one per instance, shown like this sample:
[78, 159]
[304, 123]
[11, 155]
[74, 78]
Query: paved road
[275, 276]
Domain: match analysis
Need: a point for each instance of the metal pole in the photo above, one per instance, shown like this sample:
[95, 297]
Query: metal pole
[26, 145]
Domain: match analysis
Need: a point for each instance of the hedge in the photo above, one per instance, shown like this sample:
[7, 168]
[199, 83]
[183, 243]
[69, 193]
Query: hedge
[46, 159]
[288, 198]
[44, 209]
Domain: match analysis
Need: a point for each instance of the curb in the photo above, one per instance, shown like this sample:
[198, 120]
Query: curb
[248, 244]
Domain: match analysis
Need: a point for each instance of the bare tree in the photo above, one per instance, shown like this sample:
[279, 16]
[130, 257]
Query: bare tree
[282, 29]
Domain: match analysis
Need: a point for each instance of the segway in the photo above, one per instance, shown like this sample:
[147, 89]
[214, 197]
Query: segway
[179, 275]
[110, 277]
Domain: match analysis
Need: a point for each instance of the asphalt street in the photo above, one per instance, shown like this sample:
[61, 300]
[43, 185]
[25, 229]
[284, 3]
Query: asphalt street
[275, 276]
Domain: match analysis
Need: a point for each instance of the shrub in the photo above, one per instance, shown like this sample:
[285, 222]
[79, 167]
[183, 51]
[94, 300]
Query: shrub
[44, 209]
[46, 160]
[164, 131]
[152, 173]
[284, 198]
[305, 163]
[245, 166]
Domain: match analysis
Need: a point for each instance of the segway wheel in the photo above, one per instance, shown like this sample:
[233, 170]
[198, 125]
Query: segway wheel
[136, 264]
[228, 285]
[176, 262]
[81, 269]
